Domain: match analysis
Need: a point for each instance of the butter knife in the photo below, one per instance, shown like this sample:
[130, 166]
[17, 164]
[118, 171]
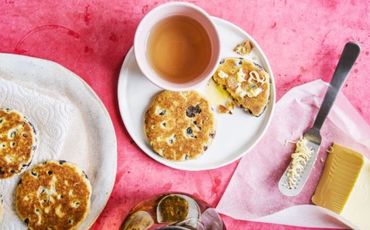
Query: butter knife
[312, 137]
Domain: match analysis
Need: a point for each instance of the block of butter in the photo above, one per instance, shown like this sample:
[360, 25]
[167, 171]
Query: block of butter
[344, 186]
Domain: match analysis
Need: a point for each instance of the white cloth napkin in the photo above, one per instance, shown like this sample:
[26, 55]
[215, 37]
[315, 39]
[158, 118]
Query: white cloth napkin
[51, 118]
[253, 194]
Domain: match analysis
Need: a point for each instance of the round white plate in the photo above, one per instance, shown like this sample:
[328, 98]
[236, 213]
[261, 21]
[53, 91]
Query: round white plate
[236, 134]
[91, 141]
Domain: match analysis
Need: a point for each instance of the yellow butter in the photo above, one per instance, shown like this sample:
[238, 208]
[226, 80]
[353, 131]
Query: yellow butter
[344, 186]
[216, 94]
[357, 208]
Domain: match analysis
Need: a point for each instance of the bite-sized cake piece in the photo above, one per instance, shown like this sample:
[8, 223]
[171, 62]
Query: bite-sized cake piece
[244, 48]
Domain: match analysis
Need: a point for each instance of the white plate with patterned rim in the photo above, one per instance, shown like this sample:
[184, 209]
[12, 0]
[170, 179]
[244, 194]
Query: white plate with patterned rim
[90, 141]
[236, 134]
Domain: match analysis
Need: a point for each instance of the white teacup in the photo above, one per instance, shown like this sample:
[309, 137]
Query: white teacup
[158, 14]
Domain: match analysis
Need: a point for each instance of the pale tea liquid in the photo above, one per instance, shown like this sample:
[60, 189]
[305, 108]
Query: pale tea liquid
[179, 49]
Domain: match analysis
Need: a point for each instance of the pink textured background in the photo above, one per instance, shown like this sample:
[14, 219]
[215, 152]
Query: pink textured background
[302, 40]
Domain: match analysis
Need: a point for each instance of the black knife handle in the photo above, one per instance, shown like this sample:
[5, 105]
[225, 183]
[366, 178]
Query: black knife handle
[346, 61]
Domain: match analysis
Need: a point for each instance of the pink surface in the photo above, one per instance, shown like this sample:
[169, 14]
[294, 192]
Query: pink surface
[302, 40]
[258, 173]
